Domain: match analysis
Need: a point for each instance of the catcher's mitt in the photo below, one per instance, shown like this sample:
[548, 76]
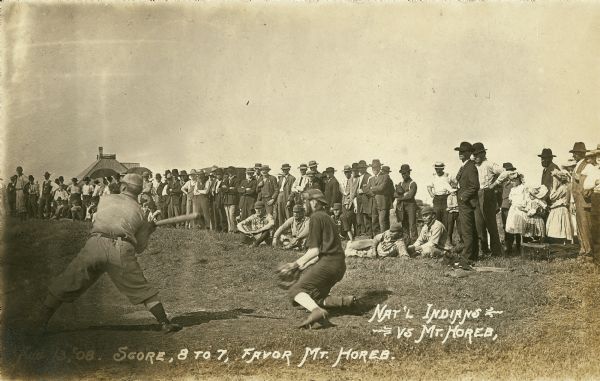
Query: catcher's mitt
[288, 274]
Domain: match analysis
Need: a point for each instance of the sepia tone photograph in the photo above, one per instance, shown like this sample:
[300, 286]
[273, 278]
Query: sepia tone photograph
[319, 190]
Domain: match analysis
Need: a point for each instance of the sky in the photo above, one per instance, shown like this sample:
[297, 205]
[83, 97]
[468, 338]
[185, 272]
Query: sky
[190, 85]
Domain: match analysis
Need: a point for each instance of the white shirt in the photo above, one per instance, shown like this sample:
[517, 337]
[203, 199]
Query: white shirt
[87, 189]
[441, 184]
[592, 174]
[487, 170]
[284, 177]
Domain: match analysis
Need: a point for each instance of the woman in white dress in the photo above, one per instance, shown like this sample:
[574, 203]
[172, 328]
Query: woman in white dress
[535, 208]
[558, 224]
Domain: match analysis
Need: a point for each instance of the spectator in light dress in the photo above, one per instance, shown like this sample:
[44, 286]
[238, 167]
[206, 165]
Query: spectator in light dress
[558, 224]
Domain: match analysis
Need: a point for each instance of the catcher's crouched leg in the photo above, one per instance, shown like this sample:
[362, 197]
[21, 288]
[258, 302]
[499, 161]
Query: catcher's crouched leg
[338, 301]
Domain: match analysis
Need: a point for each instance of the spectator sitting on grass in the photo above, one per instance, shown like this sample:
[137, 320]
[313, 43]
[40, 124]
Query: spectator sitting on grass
[293, 232]
[257, 227]
[432, 238]
[341, 223]
[390, 243]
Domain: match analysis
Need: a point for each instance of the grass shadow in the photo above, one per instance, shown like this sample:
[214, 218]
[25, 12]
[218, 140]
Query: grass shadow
[364, 303]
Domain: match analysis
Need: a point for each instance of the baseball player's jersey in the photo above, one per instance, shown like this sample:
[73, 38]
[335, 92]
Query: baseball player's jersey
[118, 215]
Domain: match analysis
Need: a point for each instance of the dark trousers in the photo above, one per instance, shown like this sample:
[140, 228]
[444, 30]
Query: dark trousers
[32, 205]
[595, 217]
[366, 219]
[45, 206]
[452, 222]
[485, 221]
[510, 239]
[384, 220]
[440, 207]
[375, 225]
[407, 216]
[466, 218]
[219, 216]
[349, 218]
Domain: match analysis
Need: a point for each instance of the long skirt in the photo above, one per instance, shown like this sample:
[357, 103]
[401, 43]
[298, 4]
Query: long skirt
[21, 202]
[318, 279]
[515, 221]
[558, 224]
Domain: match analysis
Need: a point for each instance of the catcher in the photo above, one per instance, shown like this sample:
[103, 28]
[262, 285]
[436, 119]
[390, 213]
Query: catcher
[311, 277]
[119, 231]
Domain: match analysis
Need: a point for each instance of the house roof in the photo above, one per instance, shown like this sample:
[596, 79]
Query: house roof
[103, 163]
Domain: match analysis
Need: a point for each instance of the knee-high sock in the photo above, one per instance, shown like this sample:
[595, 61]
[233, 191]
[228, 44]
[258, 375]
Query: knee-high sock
[156, 308]
[305, 301]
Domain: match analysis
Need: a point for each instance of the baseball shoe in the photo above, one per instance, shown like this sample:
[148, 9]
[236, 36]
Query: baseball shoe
[318, 315]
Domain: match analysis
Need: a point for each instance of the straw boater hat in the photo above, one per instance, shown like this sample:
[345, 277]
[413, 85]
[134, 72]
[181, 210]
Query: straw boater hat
[303, 166]
[312, 163]
[439, 165]
[285, 166]
[593, 152]
[347, 168]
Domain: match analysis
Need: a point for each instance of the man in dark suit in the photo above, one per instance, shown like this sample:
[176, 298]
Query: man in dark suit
[319, 177]
[247, 192]
[231, 199]
[371, 204]
[468, 182]
[333, 195]
[284, 184]
[406, 204]
[383, 189]
[218, 208]
[546, 158]
[582, 203]
[363, 210]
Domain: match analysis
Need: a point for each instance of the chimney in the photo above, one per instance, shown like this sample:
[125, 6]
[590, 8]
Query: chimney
[100, 152]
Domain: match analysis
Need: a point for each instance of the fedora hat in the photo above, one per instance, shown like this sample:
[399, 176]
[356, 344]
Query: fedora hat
[286, 166]
[249, 170]
[316, 194]
[133, 179]
[355, 166]
[183, 173]
[547, 152]
[303, 166]
[405, 168]
[385, 169]
[312, 163]
[396, 227]
[310, 172]
[509, 167]
[337, 206]
[347, 168]
[439, 164]
[193, 172]
[257, 165]
[298, 208]
[578, 147]
[362, 164]
[265, 168]
[330, 169]
[259, 205]
[464, 147]
[478, 148]
[376, 163]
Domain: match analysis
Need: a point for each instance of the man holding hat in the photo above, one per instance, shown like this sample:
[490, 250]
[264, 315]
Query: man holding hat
[247, 192]
[293, 232]
[432, 238]
[491, 176]
[284, 206]
[332, 187]
[439, 190]
[257, 227]
[406, 205]
[468, 182]
[320, 268]
[45, 202]
[119, 231]
[582, 203]
[363, 210]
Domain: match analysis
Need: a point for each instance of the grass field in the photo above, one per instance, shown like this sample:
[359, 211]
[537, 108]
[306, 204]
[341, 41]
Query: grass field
[226, 297]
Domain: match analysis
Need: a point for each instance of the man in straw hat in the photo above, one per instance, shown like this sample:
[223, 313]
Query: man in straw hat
[119, 231]
[321, 267]
[285, 184]
[363, 211]
[582, 204]
[439, 190]
[312, 166]
[468, 181]
[406, 205]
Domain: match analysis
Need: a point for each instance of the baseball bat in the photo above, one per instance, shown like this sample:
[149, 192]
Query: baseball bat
[178, 219]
